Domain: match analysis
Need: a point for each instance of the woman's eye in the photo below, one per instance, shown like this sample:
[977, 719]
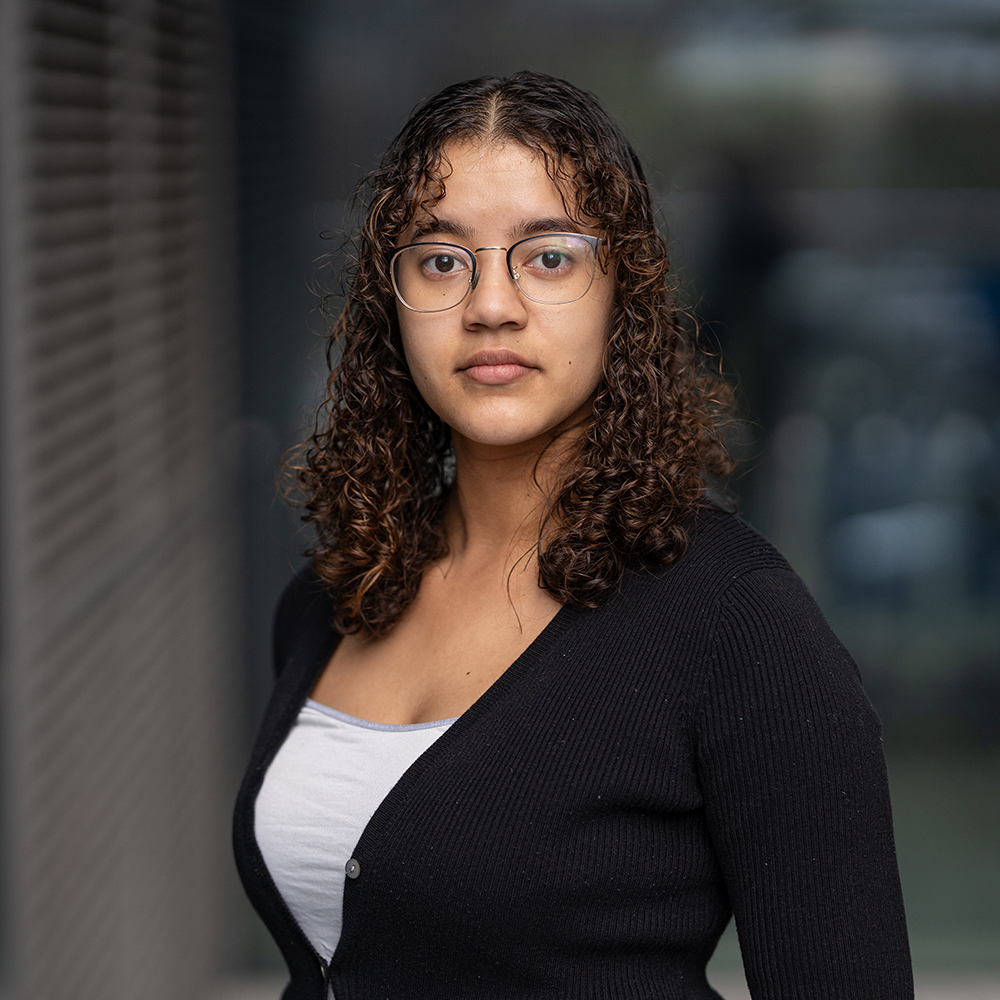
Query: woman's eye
[551, 260]
[443, 263]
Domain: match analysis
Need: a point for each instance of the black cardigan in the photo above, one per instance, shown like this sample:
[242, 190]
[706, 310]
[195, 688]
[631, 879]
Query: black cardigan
[701, 744]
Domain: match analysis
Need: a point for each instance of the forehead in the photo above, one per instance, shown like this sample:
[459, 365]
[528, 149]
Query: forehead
[489, 186]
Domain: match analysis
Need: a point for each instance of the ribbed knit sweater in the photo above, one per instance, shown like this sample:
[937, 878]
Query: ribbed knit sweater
[698, 746]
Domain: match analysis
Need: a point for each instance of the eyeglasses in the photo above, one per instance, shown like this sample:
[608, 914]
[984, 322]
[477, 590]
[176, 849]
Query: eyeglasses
[553, 268]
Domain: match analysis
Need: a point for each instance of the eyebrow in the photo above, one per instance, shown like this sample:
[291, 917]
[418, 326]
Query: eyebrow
[521, 230]
[442, 227]
[551, 224]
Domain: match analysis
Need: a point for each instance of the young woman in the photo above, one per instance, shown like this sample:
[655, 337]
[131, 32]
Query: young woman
[545, 716]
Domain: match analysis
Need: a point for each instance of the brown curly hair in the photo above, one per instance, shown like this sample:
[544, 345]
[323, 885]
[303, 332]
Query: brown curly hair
[375, 474]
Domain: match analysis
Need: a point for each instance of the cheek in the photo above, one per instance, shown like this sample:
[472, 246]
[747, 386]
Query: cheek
[594, 332]
[424, 366]
[412, 344]
[591, 371]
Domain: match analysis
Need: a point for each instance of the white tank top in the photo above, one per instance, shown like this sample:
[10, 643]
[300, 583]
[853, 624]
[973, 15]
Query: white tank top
[323, 786]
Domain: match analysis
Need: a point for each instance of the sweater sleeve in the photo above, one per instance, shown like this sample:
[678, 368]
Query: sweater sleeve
[796, 796]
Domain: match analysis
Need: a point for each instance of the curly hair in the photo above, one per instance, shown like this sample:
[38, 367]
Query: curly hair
[376, 472]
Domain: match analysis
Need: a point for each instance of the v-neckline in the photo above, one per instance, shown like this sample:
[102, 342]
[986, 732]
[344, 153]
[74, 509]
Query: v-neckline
[404, 656]
[390, 808]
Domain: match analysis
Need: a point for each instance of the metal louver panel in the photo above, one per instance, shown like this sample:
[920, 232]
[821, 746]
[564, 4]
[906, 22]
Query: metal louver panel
[117, 560]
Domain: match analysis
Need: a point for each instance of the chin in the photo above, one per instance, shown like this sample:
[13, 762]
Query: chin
[509, 434]
[505, 424]
[499, 437]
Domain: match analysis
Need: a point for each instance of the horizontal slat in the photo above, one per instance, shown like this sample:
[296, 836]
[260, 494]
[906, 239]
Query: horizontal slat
[56, 123]
[69, 192]
[178, 245]
[180, 20]
[62, 298]
[73, 470]
[50, 51]
[69, 90]
[142, 217]
[179, 103]
[76, 529]
[184, 70]
[71, 226]
[54, 336]
[177, 319]
[53, 159]
[89, 411]
[175, 213]
[78, 379]
[79, 646]
[184, 48]
[135, 546]
[63, 262]
[86, 22]
[88, 439]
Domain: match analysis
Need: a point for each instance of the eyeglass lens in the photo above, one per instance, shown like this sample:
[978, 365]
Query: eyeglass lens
[554, 268]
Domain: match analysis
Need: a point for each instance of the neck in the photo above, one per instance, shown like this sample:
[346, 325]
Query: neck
[499, 497]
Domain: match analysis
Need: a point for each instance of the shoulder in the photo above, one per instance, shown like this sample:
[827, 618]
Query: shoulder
[773, 668]
[758, 627]
[726, 547]
[779, 704]
[723, 553]
[763, 606]
[305, 613]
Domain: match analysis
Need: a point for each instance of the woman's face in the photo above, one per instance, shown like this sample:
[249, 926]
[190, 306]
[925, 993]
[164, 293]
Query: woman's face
[500, 369]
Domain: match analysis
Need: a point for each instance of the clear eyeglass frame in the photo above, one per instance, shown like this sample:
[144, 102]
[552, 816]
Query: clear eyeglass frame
[395, 253]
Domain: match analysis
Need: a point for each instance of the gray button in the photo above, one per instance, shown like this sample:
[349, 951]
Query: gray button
[353, 868]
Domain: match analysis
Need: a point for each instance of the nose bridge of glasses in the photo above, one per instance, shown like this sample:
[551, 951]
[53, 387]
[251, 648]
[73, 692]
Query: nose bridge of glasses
[478, 269]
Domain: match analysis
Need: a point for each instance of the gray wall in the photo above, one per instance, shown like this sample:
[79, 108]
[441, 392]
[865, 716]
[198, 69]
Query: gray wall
[118, 549]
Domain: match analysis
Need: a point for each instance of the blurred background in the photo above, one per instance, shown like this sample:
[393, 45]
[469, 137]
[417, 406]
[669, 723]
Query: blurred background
[175, 178]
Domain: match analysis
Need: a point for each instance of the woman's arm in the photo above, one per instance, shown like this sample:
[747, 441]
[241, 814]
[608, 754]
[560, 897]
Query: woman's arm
[791, 761]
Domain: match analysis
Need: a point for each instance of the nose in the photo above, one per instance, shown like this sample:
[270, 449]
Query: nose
[494, 300]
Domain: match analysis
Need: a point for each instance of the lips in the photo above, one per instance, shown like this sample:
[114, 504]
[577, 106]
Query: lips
[495, 367]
